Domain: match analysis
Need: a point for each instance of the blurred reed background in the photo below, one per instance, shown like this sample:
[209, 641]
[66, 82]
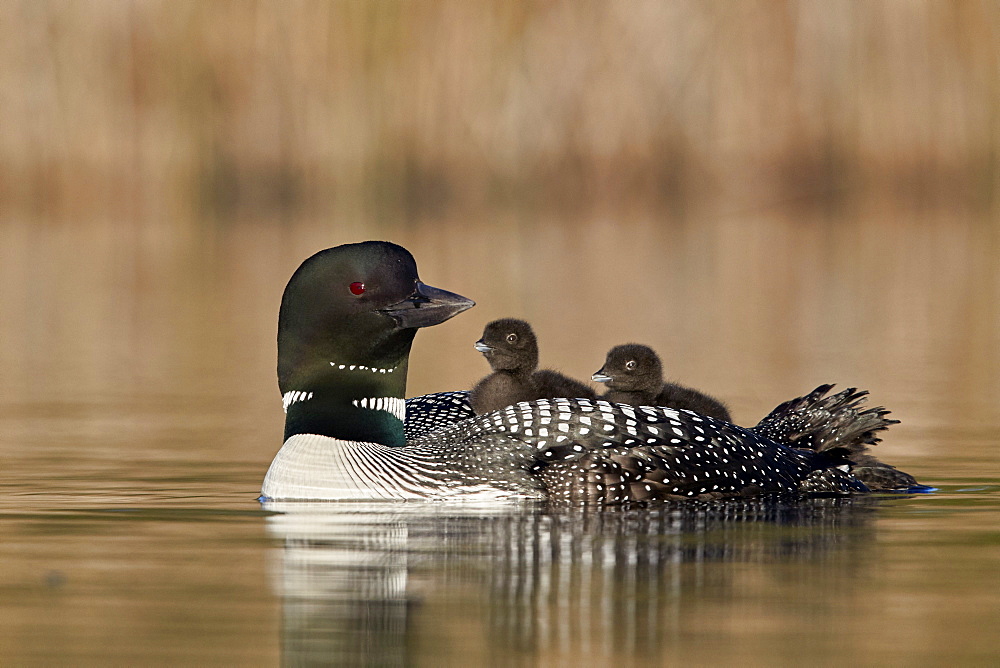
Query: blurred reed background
[774, 194]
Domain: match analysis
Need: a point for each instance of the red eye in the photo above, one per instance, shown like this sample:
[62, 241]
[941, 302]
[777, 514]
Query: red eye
[357, 287]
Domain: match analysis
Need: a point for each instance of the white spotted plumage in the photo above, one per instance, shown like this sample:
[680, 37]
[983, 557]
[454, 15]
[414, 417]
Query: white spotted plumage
[585, 454]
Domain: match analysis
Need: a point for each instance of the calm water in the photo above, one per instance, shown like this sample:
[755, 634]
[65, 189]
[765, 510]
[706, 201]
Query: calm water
[139, 413]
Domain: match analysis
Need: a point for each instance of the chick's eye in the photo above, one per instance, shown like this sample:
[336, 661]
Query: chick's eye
[630, 365]
[357, 288]
[511, 338]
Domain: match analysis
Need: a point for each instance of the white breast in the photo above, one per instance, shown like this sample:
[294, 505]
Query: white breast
[313, 467]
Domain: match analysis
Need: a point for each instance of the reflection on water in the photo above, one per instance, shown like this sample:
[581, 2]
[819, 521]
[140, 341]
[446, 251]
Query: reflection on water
[574, 584]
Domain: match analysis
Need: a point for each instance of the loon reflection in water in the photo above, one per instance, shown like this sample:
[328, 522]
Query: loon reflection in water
[353, 577]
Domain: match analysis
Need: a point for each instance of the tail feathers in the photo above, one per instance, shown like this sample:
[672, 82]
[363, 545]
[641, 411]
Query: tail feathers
[836, 425]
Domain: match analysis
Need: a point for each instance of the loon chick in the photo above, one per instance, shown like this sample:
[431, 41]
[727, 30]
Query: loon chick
[347, 321]
[511, 348]
[634, 375]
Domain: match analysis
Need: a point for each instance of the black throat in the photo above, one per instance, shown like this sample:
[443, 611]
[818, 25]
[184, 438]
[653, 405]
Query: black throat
[351, 402]
[353, 393]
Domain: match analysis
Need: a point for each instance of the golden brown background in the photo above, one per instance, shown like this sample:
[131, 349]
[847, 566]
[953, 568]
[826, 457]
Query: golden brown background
[773, 194]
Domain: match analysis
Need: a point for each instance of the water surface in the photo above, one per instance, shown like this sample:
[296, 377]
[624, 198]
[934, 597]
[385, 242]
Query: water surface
[139, 412]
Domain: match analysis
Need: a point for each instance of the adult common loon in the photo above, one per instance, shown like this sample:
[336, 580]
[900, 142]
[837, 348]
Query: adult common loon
[511, 348]
[347, 320]
[634, 375]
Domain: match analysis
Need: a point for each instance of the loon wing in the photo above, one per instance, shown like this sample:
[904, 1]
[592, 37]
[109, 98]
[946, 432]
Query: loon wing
[429, 413]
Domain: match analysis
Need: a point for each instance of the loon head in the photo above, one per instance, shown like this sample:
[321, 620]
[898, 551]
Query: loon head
[347, 320]
[631, 368]
[509, 344]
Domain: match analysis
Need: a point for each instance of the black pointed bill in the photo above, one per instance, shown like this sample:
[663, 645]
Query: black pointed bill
[427, 306]
[482, 347]
[600, 377]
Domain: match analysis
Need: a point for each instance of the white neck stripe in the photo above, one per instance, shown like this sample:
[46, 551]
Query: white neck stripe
[393, 405]
[362, 367]
[289, 398]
